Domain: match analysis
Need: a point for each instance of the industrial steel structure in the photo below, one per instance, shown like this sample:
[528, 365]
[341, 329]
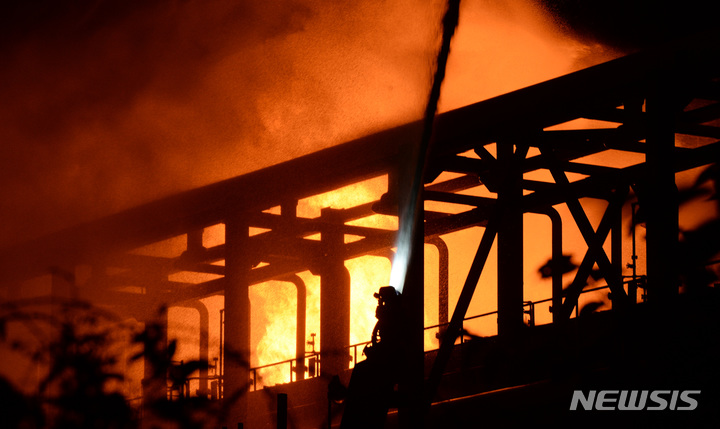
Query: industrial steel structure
[663, 104]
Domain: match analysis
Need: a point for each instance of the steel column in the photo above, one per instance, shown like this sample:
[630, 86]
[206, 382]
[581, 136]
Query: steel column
[334, 299]
[509, 243]
[237, 318]
[661, 200]
[410, 409]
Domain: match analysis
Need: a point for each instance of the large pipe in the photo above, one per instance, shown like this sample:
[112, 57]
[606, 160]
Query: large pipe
[443, 279]
[301, 309]
[443, 275]
[203, 355]
[556, 255]
[288, 211]
[411, 204]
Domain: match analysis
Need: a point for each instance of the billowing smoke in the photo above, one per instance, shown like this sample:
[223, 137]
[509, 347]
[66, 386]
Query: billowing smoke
[630, 25]
[108, 103]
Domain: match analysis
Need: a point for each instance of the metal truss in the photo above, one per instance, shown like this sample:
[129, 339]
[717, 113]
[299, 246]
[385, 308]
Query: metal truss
[663, 104]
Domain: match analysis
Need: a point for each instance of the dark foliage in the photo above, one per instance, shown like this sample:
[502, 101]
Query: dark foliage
[77, 344]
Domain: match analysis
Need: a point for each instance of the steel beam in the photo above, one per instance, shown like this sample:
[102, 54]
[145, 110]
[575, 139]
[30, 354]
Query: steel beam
[447, 341]
[334, 301]
[237, 318]
[660, 203]
[595, 253]
[510, 240]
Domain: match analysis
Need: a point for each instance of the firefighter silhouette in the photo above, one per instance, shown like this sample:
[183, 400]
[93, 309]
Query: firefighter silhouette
[385, 338]
[371, 390]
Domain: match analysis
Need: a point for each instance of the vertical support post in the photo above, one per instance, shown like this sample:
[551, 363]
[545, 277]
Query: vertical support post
[661, 199]
[288, 211]
[411, 218]
[410, 386]
[334, 300]
[221, 354]
[301, 309]
[204, 345]
[557, 255]
[282, 410]
[510, 244]
[616, 248]
[237, 317]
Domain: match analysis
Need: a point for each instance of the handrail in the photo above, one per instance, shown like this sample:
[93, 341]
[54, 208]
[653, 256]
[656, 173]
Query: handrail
[291, 361]
[440, 325]
[354, 347]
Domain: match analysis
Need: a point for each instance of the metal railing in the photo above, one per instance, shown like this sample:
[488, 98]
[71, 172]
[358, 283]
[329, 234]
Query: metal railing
[312, 359]
[311, 366]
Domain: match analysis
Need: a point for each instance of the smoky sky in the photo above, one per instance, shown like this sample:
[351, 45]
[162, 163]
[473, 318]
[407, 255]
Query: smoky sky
[89, 87]
[108, 104]
[631, 25]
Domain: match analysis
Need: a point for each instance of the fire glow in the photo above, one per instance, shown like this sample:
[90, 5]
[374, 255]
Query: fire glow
[165, 130]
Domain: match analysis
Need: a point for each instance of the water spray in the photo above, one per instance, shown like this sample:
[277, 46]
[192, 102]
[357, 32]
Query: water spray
[409, 206]
[371, 389]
